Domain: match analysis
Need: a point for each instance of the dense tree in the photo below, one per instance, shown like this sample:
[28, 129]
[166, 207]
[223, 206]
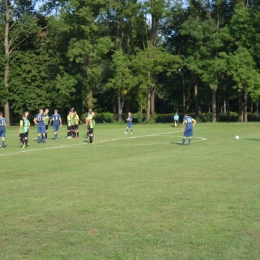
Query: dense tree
[156, 55]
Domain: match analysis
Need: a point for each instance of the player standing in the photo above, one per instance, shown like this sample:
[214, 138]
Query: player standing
[87, 124]
[23, 130]
[47, 119]
[176, 119]
[76, 128]
[190, 123]
[90, 122]
[2, 130]
[129, 123]
[39, 120]
[57, 122]
[69, 118]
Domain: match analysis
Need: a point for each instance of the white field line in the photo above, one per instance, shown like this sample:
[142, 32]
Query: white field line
[103, 141]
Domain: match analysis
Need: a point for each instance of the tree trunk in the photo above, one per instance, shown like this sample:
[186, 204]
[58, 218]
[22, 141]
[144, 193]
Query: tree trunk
[245, 104]
[114, 106]
[148, 107]
[240, 107]
[152, 101]
[7, 64]
[196, 96]
[228, 110]
[120, 105]
[183, 95]
[127, 106]
[214, 105]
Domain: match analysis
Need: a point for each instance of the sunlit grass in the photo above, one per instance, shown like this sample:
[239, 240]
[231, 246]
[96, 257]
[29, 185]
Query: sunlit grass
[140, 196]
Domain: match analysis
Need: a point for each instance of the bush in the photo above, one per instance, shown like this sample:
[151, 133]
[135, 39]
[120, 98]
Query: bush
[109, 117]
[139, 117]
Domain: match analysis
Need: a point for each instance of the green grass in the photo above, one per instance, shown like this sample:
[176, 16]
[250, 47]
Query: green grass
[132, 198]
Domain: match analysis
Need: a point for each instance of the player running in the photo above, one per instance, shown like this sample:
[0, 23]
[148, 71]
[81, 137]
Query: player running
[190, 123]
[129, 123]
[56, 123]
[24, 130]
[2, 130]
[39, 120]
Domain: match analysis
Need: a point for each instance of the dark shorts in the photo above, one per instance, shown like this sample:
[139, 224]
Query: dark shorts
[68, 128]
[72, 127]
[188, 132]
[46, 127]
[91, 130]
[76, 127]
[130, 125]
[24, 135]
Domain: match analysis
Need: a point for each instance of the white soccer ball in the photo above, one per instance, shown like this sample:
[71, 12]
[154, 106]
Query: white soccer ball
[237, 137]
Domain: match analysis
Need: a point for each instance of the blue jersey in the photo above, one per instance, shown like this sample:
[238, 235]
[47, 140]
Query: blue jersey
[56, 119]
[40, 119]
[188, 120]
[129, 119]
[2, 123]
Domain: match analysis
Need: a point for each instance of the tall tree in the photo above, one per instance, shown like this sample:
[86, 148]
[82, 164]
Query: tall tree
[17, 24]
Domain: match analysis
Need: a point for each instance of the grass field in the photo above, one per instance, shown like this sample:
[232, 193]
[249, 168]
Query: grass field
[140, 196]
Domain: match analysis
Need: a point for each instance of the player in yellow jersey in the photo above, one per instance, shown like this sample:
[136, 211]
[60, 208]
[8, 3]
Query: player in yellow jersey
[69, 121]
[90, 121]
[76, 127]
[23, 130]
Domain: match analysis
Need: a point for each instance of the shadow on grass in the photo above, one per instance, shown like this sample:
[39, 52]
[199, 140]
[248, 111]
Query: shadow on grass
[176, 143]
[253, 139]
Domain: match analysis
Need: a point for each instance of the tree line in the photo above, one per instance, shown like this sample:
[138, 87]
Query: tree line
[130, 55]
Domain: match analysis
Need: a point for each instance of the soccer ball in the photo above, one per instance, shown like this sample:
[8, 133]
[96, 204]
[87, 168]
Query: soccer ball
[237, 137]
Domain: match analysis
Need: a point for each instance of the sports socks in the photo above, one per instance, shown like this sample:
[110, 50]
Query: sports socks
[183, 141]
[90, 139]
[3, 144]
[46, 135]
[189, 141]
[26, 142]
[77, 134]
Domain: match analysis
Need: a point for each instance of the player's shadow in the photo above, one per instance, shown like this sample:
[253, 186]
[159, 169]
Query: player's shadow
[176, 143]
[253, 139]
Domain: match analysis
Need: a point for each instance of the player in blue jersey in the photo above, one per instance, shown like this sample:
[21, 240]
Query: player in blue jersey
[56, 121]
[129, 124]
[2, 130]
[188, 132]
[176, 119]
[39, 120]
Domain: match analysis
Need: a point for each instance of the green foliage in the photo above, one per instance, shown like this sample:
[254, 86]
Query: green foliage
[108, 117]
[139, 117]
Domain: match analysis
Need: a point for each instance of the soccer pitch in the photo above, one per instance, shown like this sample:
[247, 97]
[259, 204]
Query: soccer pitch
[140, 196]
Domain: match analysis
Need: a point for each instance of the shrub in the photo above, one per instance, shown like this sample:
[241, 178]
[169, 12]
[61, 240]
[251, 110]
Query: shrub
[109, 117]
[139, 117]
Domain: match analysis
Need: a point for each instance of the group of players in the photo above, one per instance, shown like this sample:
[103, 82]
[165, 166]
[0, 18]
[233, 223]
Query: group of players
[42, 120]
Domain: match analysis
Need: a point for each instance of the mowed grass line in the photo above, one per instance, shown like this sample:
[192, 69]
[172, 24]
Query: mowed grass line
[133, 198]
